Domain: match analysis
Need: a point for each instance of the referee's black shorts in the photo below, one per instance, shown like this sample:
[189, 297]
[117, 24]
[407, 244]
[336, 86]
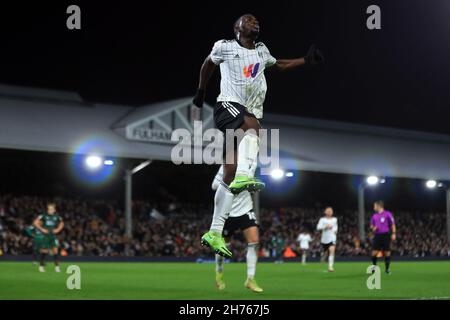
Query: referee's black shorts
[381, 242]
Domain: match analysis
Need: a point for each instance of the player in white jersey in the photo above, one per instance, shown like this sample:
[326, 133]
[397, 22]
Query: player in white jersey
[240, 106]
[303, 239]
[328, 225]
[242, 217]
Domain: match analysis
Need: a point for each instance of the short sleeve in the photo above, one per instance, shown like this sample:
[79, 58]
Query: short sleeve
[217, 53]
[335, 228]
[269, 60]
[391, 219]
[319, 225]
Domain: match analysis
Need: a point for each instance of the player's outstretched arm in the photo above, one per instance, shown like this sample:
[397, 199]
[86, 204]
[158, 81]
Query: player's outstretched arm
[206, 72]
[312, 58]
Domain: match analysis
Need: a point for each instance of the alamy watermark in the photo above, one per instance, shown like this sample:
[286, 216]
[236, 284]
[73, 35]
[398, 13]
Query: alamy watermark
[207, 146]
[74, 280]
[374, 280]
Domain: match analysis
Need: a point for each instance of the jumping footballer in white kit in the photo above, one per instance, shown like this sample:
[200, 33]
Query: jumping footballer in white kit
[242, 62]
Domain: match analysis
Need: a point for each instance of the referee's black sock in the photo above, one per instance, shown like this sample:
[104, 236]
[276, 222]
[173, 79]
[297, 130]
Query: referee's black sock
[387, 262]
[374, 260]
[42, 261]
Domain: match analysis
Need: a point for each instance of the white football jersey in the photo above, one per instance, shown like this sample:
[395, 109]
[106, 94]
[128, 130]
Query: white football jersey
[304, 239]
[242, 202]
[242, 73]
[328, 235]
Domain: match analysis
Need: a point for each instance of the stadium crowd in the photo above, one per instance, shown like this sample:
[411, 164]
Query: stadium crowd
[97, 228]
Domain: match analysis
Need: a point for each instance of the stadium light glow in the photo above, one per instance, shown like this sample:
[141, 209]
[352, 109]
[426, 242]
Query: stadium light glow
[277, 174]
[431, 184]
[108, 162]
[373, 180]
[289, 174]
[93, 162]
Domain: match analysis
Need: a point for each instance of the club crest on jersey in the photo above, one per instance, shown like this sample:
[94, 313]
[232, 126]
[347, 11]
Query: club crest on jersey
[252, 70]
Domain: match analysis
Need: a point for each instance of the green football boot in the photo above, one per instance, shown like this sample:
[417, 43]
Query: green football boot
[253, 286]
[216, 242]
[241, 183]
[220, 283]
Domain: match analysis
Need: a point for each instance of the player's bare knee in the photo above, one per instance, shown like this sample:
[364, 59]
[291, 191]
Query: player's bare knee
[228, 177]
[251, 125]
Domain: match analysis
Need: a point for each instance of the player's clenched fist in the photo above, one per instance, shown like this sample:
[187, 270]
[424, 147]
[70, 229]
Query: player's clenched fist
[314, 56]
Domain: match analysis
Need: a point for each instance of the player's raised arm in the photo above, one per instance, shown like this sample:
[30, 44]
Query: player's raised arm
[312, 58]
[206, 72]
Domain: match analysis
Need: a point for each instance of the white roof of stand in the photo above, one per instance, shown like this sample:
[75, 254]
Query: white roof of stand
[46, 120]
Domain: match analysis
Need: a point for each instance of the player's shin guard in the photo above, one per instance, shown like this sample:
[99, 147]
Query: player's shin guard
[248, 155]
[223, 201]
[303, 258]
[252, 259]
[219, 263]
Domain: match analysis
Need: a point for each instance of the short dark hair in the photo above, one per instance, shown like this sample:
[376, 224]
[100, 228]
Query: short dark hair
[380, 203]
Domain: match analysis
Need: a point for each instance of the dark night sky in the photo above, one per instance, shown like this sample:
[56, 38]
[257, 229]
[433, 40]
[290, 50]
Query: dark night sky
[138, 52]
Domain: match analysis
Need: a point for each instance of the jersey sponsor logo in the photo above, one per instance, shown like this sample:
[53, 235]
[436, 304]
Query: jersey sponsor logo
[251, 71]
[382, 219]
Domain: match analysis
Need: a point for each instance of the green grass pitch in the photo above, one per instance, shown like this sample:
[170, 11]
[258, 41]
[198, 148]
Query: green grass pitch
[409, 280]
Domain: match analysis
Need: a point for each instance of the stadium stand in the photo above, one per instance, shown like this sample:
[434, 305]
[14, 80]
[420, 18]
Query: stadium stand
[172, 229]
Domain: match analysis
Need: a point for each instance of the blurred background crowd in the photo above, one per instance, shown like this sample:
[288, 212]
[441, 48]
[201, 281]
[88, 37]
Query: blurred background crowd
[97, 228]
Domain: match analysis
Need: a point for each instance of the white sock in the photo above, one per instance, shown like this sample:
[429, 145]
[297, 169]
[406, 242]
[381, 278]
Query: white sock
[303, 257]
[330, 261]
[252, 258]
[248, 155]
[219, 263]
[223, 201]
